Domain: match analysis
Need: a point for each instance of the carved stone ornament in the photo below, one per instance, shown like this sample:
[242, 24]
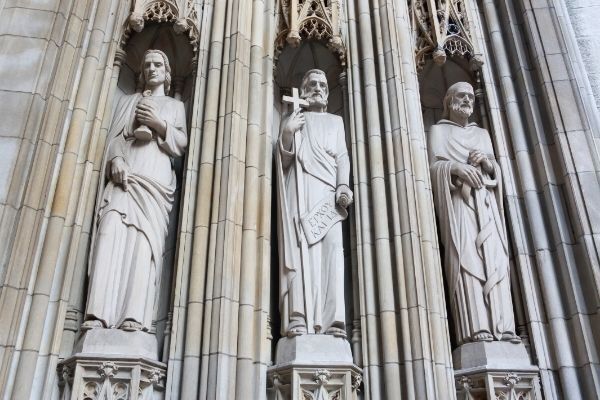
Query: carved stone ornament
[182, 14]
[441, 29]
[313, 20]
[95, 377]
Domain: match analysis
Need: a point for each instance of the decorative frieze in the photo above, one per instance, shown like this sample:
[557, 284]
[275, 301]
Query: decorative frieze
[499, 386]
[98, 378]
[323, 383]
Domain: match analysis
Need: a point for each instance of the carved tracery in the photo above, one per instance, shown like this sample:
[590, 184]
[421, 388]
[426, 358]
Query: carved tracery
[182, 14]
[310, 20]
[440, 29]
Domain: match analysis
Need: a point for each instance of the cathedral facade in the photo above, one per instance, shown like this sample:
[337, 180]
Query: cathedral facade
[171, 227]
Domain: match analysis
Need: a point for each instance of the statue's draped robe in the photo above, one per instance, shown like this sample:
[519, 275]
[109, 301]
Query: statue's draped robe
[132, 225]
[476, 259]
[324, 164]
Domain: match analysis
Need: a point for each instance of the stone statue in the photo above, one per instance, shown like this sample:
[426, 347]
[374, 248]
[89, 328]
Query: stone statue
[313, 172]
[146, 133]
[467, 186]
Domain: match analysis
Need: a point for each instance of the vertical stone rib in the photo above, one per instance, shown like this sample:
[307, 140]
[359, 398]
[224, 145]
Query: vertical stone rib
[372, 364]
[386, 300]
[206, 117]
[251, 325]
[405, 264]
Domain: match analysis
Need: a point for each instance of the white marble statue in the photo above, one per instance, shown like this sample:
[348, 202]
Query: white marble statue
[148, 130]
[313, 172]
[467, 185]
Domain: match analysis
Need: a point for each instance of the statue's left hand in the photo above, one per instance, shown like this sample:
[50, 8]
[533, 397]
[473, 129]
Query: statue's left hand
[476, 158]
[344, 196]
[147, 114]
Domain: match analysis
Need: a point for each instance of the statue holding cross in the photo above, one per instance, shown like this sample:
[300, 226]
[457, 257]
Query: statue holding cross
[313, 173]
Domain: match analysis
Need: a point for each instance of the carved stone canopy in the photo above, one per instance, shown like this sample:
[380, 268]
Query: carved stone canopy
[441, 29]
[181, 13]
[310, 20]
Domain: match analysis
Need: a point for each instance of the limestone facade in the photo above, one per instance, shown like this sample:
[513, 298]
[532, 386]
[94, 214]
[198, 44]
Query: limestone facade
[64, 64]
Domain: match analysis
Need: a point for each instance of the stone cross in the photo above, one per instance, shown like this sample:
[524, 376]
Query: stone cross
[295, 100]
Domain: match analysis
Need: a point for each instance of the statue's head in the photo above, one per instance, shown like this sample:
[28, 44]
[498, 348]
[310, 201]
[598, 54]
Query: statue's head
[314, 89]
[155, 70]
[459, 101]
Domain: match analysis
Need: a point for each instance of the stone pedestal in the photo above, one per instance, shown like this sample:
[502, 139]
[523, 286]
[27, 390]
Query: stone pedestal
[495, 370]
[111, 364]
[313, 367]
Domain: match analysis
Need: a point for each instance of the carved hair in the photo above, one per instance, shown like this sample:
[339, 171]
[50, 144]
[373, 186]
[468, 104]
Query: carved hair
[305, 80]
[167, 69]
[452, 90]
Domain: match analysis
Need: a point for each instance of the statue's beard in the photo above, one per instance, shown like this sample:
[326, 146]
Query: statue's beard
[319, 100]
[462, 110]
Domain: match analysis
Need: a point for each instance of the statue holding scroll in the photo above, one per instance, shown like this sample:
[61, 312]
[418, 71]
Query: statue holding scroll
[146, 133]
[467, 186]
[313, 172]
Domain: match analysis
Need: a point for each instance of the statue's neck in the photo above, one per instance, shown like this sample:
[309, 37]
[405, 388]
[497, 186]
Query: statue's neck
[157, 90]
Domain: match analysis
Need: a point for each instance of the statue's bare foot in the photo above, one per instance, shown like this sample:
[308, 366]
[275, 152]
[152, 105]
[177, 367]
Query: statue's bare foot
[337, 332]
[510, 337]
[131, 326]
[483, 337]
[91, 324]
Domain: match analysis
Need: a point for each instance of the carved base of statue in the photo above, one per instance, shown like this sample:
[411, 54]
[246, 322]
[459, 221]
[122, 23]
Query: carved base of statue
[313, 367]
[495, 370]
[137, 344]
[113, 364]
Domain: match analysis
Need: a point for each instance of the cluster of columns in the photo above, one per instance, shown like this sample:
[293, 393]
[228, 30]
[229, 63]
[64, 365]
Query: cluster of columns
[220, 340]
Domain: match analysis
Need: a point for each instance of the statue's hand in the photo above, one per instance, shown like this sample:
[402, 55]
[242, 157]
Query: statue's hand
[476, 158]
[468, 173]
[147, 114]
[295, 121]
[344, 196]
[119, 172]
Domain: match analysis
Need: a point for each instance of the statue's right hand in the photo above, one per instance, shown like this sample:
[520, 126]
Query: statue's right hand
[119, 172]
[294, 123]
[468, 173]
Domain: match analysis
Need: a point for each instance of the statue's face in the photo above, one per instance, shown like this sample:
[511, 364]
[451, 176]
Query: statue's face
[462, 101]
[316, 91]
[154, 70]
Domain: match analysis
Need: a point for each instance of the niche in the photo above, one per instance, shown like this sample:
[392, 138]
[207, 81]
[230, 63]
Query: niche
[290, 67]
